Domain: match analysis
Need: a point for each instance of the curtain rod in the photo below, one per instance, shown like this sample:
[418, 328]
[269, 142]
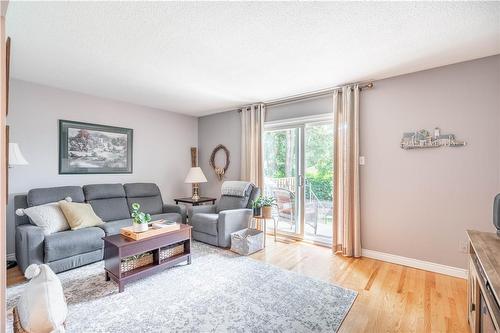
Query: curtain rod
[308, 95]
[318, 93]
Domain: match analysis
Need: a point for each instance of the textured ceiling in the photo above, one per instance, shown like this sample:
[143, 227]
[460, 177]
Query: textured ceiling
[204, 57]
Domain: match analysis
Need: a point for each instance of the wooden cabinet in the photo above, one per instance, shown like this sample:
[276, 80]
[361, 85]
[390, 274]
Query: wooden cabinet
[483, 284]
[473, 299]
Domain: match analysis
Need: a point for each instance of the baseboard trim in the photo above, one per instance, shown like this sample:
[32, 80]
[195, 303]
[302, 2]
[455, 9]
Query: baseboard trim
[416, 263]
[11, 256]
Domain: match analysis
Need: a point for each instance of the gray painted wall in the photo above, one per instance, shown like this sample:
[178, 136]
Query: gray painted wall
[416, 204]
[419, 203]
[162, 141]
[221, 128]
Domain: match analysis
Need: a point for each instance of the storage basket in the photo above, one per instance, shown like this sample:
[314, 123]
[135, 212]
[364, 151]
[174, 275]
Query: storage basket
[247, 241]
[171, 250]
[133, 262]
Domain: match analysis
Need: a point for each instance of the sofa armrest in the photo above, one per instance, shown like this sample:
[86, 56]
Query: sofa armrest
[231, 221]
[202, 209]
[29, 245]
[176, 209]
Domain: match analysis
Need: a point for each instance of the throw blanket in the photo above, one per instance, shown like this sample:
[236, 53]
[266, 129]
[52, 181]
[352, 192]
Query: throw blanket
[235, 188]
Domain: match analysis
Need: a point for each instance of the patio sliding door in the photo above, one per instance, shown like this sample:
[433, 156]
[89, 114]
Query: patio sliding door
[282, 176]
[298, 170]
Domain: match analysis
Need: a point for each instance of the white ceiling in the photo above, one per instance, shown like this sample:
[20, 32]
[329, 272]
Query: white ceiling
[199, 58]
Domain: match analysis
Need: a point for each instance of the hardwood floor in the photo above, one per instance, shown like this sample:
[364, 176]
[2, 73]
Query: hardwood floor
[391, 298]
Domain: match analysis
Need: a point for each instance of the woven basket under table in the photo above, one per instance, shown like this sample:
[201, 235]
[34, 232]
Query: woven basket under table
[131, 263]
[171, 250]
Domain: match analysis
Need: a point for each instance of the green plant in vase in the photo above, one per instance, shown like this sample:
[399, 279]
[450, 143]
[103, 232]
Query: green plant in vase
[140, 219]
[267, 203]
[257, 206]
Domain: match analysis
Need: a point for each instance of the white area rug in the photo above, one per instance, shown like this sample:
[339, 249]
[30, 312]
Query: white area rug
[218, 292]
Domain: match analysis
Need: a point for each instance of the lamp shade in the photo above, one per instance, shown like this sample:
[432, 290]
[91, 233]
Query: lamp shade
[15, 155]
[195, 175]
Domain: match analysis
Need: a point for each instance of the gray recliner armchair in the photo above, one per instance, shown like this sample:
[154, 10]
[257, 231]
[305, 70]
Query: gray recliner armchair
[213, 224]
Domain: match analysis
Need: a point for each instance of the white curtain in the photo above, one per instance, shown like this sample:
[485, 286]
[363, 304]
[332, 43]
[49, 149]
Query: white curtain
[346, 202]
[252, 130]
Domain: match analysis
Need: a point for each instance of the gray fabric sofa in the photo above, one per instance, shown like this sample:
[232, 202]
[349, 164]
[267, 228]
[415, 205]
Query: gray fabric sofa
[73, 248]
[213, 224]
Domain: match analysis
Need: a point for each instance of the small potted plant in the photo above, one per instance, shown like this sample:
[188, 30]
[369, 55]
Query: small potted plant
[267, 206]
[140, 219]
[257, 206]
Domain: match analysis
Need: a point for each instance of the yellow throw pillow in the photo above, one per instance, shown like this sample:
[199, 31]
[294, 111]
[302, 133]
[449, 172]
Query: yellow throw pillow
[79, 215]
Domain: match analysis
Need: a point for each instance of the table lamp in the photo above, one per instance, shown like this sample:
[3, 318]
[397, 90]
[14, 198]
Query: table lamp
[15, 155]
[15, 158]
[195, 176]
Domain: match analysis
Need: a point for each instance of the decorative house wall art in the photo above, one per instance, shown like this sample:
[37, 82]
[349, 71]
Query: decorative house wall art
[424, 139]
[90, 148]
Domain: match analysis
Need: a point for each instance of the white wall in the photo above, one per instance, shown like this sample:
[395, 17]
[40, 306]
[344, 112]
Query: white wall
[162, 141]
[416, 204]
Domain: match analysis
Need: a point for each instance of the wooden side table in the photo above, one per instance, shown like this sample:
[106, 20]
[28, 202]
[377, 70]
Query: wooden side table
[260, 221]
[198, 202]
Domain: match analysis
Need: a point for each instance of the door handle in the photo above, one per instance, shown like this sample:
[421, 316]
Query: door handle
[301, 180]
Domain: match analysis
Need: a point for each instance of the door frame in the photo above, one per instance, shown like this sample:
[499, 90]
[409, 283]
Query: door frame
[299, 123]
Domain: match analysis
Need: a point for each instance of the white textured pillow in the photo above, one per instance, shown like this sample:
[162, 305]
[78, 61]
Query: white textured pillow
[49, 217]
[42, 306]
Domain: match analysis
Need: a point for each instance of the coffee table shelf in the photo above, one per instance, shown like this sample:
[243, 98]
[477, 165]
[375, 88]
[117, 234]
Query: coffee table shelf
[118, 247]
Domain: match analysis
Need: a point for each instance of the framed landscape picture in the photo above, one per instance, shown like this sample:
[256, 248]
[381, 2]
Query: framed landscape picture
[90, 148]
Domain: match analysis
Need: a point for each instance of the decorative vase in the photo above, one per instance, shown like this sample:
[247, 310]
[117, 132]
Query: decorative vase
[257, 211]
[267, 212]
[140, 227]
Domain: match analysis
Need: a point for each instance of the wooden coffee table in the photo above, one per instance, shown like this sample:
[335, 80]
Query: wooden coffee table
[117, 247]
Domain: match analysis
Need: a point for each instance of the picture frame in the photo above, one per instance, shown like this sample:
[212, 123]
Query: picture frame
[86, 148]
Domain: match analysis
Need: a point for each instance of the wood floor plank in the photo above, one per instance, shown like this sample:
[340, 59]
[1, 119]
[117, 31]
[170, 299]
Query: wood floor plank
[391, 298]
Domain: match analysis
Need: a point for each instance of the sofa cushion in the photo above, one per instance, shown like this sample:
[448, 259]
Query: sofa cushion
[206, 223]
[66, 244]
[150, 205]
[103, 191]
[145, 194]
[49, 217]
[141, 190]
[111, 209]
[227, 202]
[113, 227]
[79, 215]
[167, 216]
[42, 305]
[108, 201]
[40, 196]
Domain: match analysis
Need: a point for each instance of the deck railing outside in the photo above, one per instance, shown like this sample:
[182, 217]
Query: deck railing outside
[318, 213]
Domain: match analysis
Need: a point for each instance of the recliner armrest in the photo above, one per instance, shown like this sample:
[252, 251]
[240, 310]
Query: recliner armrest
[29, 245]
[202, 209]
[176, 209]
[231, 221]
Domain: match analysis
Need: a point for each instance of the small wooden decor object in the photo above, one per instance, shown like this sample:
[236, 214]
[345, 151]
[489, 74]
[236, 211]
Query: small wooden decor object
[130, 233]
[220, 171]
[194, 157]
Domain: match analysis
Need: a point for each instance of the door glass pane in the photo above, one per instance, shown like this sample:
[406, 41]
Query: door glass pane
[318, 213]
[280, 172]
